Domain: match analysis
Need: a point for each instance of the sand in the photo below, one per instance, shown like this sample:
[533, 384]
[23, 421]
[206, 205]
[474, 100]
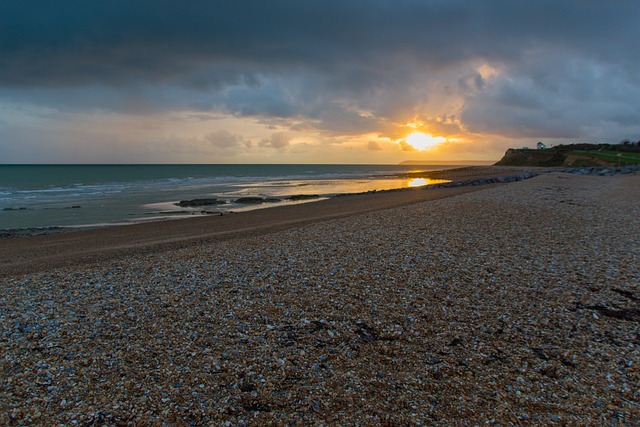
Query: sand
[512, 304]
[19, 255]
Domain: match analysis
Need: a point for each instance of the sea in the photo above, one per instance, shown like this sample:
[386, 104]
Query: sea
[34, 197]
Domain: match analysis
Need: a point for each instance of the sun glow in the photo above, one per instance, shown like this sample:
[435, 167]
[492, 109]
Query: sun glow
[421, 182]
[422, 141]
[417, 182]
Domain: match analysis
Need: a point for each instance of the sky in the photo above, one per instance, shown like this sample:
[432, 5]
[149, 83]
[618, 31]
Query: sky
[332, 81]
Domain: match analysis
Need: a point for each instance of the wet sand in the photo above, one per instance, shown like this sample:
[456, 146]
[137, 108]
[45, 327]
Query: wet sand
[33, 253]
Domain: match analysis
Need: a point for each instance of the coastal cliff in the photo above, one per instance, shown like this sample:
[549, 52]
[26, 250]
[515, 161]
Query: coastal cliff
[573, 155]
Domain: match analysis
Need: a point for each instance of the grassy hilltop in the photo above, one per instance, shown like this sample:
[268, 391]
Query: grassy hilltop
[574, 155]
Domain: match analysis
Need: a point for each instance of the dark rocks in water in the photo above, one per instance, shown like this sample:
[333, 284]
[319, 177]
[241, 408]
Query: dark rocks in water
[74, 207]
[14, 209]
[254, 200]
[249, 200]
[297, 197]
[199, 202]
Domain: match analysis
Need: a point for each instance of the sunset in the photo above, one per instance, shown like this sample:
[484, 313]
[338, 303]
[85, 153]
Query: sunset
[385, 213]
[292, 82]
[423, 141]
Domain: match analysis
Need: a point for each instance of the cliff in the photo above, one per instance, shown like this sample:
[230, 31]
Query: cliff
[526, 157]
[573, 155]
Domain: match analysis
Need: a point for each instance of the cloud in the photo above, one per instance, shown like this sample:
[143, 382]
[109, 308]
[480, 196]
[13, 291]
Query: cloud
[205, 45]
[276, 140]
[405, 146]
[374, 146]
[552, 97]
[337, 69]
[225, 139]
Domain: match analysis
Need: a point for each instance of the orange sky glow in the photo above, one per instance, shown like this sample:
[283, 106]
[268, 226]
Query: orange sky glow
[312, 82]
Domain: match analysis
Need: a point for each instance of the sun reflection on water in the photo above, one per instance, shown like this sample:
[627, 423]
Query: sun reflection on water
[420, 182]
[417, 182]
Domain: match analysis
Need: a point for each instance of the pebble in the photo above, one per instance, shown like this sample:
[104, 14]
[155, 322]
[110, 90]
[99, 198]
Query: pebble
[451, 312]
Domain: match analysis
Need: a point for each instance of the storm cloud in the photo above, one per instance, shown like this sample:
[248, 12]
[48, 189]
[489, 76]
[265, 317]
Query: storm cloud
[510, 69]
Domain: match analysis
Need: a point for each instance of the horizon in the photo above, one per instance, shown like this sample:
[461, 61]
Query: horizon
[405, 162]
[341, 82]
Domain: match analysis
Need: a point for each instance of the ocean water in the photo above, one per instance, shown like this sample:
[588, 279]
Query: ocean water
[42, 196]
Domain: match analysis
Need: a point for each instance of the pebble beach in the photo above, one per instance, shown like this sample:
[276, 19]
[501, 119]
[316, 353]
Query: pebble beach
[511, 305]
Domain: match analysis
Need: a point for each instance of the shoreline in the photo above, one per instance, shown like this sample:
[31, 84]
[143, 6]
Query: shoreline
[26, 254]
[37, 197]
[29, 252]
[22, 253]
[452, 174]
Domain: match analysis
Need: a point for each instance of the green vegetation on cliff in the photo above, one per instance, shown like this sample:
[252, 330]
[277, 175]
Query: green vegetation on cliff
[574, 155]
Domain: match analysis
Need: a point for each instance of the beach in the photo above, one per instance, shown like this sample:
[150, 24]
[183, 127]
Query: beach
[52, 198]
[500, 304]
[46, 248]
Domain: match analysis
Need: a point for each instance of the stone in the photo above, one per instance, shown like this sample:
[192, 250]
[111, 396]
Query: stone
[199, 202]
[250, 200]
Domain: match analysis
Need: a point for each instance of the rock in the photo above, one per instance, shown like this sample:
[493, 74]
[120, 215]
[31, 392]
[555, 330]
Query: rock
[250, 200]
[199, 202]
[254, 200]
[297, 197]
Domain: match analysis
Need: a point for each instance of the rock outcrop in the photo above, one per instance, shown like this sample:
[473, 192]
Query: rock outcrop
[195, 203]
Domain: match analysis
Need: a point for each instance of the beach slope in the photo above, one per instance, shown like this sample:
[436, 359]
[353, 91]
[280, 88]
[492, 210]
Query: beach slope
[516, 304]
[31, 253]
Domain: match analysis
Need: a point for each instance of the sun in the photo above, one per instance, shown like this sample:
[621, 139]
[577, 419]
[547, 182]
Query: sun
[422, 141]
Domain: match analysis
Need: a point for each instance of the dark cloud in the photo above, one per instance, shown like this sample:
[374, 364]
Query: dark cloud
[203, 43]
[269, 97]
[341, 66]
[553, 97]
